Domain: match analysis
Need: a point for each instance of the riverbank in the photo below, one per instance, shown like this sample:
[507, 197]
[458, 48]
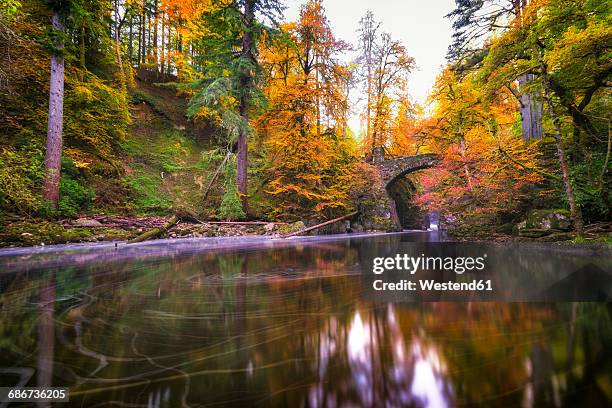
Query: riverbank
[101, 228]
[116, 228]
[17, 259]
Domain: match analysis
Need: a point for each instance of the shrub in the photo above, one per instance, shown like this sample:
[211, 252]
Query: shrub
[231, 208]
[21, 175]
[74, 196]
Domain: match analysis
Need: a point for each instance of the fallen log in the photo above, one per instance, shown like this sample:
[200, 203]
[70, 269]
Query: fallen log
[242, 223]
[316, 227]
[156, 232]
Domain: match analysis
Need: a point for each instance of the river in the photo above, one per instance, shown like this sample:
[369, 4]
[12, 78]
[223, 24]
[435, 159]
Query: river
[250, 322]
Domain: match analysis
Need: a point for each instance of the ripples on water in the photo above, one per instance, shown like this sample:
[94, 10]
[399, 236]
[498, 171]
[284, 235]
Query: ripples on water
[286, 326]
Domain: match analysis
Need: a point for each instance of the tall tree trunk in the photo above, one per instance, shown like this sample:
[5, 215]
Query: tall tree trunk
[531, 110]
[155, 29]
[169, 48]
[162, 61]
[122, 77]
[148, 42]
[575, 211]
[162, 58]
[53, 154]
[318, 99]
[245, 83]
[141, 38]
[369, 107]
[82, 47]
[131, 40]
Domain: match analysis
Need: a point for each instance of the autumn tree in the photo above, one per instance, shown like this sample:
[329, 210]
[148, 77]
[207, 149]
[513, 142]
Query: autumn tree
[485, 166]
[309, 164]
[539, 44]
[473, 22]
[368, 34]
[230, 90]
[406, 136]
[390, 75]
[385, 65]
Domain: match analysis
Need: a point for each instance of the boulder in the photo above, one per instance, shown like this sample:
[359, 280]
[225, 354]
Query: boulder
[86, 223]
[286, 229]
[540, 223]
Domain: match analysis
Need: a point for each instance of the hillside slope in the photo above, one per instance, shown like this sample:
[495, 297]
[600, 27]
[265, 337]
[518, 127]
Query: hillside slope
[164, 163]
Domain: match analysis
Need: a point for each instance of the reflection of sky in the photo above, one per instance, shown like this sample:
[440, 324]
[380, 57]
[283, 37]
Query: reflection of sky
[415, 375]
[359, 346]
[428, 385]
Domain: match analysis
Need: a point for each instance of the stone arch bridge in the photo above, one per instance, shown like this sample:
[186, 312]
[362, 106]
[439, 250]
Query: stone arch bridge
[393, 170]
[397, 187]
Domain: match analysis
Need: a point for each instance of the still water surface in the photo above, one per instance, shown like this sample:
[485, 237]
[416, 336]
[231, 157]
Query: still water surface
[283, 325]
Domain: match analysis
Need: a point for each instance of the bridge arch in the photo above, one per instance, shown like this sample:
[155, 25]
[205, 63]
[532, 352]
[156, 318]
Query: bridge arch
[397, 186]
[395, 169]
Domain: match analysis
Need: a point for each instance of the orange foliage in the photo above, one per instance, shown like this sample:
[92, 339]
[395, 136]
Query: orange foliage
[485, 168]
[310, 160]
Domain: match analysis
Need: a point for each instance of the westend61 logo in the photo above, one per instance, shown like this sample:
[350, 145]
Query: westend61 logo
[412, 264]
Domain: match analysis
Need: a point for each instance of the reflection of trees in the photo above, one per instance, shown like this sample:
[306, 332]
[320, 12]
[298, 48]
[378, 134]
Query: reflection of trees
[287, 327]
[381, 365]
[447, 354]
[46, 336]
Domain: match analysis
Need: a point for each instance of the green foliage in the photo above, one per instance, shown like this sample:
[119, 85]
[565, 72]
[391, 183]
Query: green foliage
[95, 109]
[74, 196]
[593, 194]
[97, 116]
[147, 197]
[216, 102]
[231, 209]
[228, 78]
[21, 176]
[208, 158]
[8, 8]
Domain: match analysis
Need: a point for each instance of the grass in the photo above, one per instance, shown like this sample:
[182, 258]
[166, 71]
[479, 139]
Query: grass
[601, 239]
[165, 167]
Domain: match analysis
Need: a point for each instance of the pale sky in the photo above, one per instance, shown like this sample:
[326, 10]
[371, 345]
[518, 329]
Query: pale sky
[420, 25]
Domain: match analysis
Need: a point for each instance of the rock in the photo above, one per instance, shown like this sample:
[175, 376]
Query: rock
[357, 227]
[540, 223]
[269, 227]
[549, 219]
[372, 201]
[86, 223]
[505, 228]
[557, 236]
[534, 232]
[291, 228]
[27, 235]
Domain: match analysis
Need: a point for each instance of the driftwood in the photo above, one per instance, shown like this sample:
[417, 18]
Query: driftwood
[598, 227]
[315, 227]
[155, 232]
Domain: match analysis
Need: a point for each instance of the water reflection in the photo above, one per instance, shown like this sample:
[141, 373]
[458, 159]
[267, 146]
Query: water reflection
[288, 327]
